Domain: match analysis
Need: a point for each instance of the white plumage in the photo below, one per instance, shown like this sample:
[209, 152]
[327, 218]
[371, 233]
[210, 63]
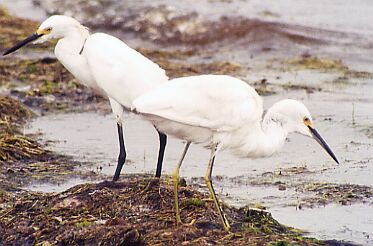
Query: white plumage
[122, 72]
[219, 103]
[105, 64]
[219, 111]
[202, 108]
[216, 109]
[223, 113]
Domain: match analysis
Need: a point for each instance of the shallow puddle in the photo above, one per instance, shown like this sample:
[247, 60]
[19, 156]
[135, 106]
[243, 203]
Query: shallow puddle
[56, 187]
[351, 223]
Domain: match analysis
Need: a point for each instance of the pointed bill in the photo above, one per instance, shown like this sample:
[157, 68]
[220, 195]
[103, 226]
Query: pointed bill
[22, 43]
[322, 142]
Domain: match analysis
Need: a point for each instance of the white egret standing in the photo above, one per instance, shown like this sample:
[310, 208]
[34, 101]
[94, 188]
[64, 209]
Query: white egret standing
[100, 59]
[223, 112]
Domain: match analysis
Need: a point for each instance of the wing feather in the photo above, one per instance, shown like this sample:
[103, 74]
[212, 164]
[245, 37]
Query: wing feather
[121, 71]
[216, 102]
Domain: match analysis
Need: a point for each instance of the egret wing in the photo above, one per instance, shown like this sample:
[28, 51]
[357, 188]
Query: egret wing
[121, 71]
[216, 102]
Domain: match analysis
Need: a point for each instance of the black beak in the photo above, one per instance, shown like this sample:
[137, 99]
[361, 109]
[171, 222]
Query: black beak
[323, 144]
[22, 43]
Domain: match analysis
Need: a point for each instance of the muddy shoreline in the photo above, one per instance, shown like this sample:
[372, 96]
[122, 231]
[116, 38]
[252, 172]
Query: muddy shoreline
[68, 217]
[128, 212]
[34, 79]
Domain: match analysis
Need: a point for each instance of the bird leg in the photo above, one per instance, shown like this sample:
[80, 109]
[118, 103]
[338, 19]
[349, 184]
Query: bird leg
[211, 188]
[176, 183]
[122, 152]
[162, 147]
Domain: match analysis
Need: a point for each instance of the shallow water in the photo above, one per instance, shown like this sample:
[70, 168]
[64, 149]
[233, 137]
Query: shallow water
[342, 111]
[328, 15]
[59, 187]
[356, 224]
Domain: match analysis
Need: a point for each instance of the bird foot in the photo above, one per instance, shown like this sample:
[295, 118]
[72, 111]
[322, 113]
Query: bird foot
[153, 184]
[178, 220]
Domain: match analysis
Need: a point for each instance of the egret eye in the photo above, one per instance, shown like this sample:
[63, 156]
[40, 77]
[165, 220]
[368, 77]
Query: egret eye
[49, 29]
[306, 121]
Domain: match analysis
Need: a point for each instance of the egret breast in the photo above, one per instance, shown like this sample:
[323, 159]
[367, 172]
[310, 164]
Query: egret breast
[182, 131]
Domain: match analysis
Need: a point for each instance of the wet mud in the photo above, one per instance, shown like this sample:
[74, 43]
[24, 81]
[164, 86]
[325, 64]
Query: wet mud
[320, 68]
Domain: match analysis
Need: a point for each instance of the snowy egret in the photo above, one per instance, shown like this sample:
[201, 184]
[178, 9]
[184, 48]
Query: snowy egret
[223, 113]
[100, 59]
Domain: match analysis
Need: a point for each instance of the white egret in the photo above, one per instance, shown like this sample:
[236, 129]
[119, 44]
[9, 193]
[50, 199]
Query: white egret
[100, 59]
[223, 113]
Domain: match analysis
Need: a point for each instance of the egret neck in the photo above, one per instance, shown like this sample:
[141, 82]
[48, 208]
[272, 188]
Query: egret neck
[68, 51]
[273, 137]
[74, 38]
[261, 140]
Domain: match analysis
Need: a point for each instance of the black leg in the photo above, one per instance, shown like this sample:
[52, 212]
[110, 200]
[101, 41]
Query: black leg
[162, 147]
[122, 153]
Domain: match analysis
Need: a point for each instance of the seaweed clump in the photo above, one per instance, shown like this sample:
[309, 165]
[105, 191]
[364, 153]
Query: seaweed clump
[22, 158]
[131, 213]
[13, 110]
[14, 145]
[308, 62]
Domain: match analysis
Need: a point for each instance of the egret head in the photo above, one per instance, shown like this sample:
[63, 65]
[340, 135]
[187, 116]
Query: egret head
[55, 27]
[295, 117]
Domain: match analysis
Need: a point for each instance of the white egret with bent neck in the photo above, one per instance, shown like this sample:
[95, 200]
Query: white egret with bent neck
[223, 112]
[101, 61]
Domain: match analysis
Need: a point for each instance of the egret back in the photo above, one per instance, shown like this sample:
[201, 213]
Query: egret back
[122, 72]
[215, 102]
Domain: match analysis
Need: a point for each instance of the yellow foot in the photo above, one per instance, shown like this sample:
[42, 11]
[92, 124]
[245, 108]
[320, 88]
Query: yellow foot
[178, 220]
[226, 225]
